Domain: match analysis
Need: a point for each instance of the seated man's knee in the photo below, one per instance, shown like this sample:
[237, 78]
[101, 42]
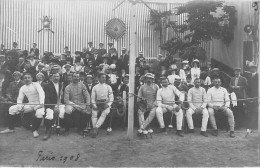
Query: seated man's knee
[68, 109]
[205, 112]
[49, 114]
[39, 113]
[13, 110]
[229, 112]
[94, 114]
[211, 111]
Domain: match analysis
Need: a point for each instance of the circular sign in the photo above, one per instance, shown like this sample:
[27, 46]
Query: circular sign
[115, 28]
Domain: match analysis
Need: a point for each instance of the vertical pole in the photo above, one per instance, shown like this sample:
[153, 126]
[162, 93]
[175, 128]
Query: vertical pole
[45, 43]
[124, 100]
[258, 70]
[130, 128]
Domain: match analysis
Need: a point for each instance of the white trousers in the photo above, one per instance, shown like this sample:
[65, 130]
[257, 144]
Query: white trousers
[179, 116]
[144, 123]
[27, 108]
[205, 117]
[98, 122]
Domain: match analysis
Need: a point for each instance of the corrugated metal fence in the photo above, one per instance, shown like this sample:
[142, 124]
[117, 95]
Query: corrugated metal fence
[75, 23]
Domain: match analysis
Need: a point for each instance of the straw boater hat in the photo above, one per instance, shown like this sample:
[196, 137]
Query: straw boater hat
[126, 76]
[237, 69]
[17, 73]
[197, 61]
[40, 74]
[185, 61]
[252, 65]
[89, 76]
[123, 49]
[149, 75]
[67, 65]
[40, 65]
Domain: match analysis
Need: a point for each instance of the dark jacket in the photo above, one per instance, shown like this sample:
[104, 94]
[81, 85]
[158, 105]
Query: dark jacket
[36, 51]
[242, 83]
[51, 96]
[13, 90]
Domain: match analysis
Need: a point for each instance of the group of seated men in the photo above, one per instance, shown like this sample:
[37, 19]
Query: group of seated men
[81, 88]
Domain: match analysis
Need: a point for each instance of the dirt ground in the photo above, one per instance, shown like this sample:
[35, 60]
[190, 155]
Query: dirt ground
[21, 149]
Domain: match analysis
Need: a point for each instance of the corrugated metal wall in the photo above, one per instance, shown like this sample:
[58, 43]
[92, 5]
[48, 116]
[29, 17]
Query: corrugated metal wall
[75, 22]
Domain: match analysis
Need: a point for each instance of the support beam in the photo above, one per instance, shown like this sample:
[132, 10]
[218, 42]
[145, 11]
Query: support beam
[130, 128]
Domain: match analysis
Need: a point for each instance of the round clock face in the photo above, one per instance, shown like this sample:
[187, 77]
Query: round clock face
[115, 28]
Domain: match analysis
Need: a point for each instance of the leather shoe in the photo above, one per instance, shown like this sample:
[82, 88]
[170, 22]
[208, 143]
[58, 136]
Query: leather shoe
[179, 133]
[232, 134]
[204, 133]
[215, 133]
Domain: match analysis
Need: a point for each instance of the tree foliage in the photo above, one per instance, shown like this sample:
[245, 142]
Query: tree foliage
[202, 25]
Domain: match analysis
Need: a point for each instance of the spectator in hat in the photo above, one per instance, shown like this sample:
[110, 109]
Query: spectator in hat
[15, 45]
[32, 60]
[14, 86]
[40, 69]
[238, 85]
[78, 57]
[90, 47]
[112, 55]
[89, 83]
[96, 59]
[101, 50]
[123, 60]
[124, 86]
[195, 70]
[2, 62]
[113, 77]
[140, 58]
[35, 50]
[77, 67]
[67, 71]
[111, 49]
[147, 92]
[40, 79]
[20, 65]
[173, 75]
[104, 64]
[2, 49]
[182, 73]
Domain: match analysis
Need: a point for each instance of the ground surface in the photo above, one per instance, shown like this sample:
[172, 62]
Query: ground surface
[21, 149]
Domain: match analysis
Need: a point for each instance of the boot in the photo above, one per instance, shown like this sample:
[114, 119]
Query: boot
[204, 133]
[190, 131]
[215, 132]
[48, 129]
[232, 134]
[179, 133]
[95, 132]
[161, 130]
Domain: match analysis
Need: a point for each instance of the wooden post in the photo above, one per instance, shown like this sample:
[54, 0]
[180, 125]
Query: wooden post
[130, 128]
[258, 70]
[124, 100]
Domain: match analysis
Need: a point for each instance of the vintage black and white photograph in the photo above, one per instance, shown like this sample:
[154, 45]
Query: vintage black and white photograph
[129, 83]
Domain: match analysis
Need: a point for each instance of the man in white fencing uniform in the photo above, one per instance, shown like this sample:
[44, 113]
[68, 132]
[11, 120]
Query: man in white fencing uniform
[101, 98]
[166, 103]
[219, 102]
[197, 98]
[35, 94]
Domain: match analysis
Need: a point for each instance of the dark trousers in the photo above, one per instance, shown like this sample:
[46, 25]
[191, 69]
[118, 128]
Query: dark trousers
[76, 119]
[239, 114]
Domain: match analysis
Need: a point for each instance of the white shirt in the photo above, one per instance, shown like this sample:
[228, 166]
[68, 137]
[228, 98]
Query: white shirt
[56, 85]
[207, 81]
[195, 73]
[220, 95]
[166, 95]
[33, 92]
[171, 78]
